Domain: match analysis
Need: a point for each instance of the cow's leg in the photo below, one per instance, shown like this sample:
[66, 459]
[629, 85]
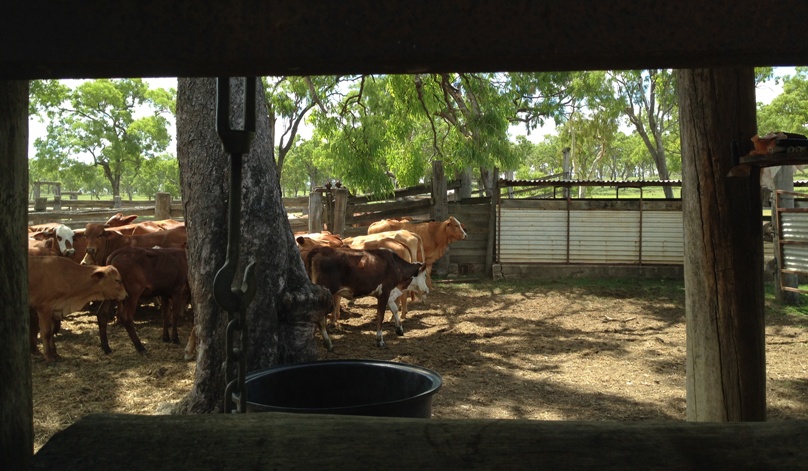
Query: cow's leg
[391, 301]
[126, 315]
[190, 347]
[402, 303]
[170, 311]
[33, 331]
[102, 316]
[324, 332]
[46, 332]
[380, 307]
[335, 312]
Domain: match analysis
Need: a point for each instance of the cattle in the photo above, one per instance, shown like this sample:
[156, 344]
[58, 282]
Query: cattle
[403, 243]
[58, 286]
[102, 242]
[436, 236]
[159, 272]
[308, 240]
[354, 273]
[56, 240]
[124, 224]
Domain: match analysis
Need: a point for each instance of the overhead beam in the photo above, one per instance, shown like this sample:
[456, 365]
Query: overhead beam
[151, 38]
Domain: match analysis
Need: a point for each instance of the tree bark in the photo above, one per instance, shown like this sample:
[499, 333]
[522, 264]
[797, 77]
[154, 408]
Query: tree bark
[281, 318]
[16, 405]
[723, 249]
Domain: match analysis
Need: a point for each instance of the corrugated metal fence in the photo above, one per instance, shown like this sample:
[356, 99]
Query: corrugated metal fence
[590, 231]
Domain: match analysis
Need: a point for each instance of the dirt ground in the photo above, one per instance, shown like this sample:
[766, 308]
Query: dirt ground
[549, 351]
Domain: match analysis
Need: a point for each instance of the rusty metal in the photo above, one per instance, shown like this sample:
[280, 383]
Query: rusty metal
[230, 298]
[791, 224]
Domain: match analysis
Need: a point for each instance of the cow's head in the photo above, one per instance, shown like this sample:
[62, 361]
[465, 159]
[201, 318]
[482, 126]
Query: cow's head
[62, 239]
[454, 229]
[418, 282]
[96, 235]
[110, 283]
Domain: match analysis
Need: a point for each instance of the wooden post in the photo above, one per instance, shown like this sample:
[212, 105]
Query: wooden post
[492, 225]
[723, 246]
[37, 190]
[316, 210]
[40, 204]
[783, 180]
[16, 406]
[162, 206]
[340, 209]
[57, 202]
[440, 212]
[116, 202]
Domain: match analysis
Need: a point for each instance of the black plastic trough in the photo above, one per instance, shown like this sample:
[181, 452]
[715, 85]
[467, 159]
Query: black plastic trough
[344, 387]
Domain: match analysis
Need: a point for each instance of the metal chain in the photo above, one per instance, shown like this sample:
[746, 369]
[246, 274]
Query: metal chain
[235, 299]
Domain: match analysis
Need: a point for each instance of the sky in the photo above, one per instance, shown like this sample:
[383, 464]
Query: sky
[765, 93]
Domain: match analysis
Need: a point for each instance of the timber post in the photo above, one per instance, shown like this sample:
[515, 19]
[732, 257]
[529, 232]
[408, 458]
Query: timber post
[16, 407]
[316, 210]
[162, 206]
[723, 246]
[440, 211]
[340, 210]
[492, 224]
[116, 202]
[40, 203]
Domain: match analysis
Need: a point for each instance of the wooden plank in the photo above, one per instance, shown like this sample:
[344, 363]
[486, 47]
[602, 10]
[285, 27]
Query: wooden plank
[196, 38]
[288, 441]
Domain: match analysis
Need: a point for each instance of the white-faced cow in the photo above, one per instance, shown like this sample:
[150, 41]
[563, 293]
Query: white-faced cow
[58, 286]
[145, 273]
[357, 273]
[56, 240]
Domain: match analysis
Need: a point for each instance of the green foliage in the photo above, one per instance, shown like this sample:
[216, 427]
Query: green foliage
[788, 111]
[101, 123]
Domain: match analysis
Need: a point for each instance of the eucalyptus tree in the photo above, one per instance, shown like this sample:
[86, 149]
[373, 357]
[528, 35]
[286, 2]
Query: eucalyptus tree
[114, 124]
[289, 100]
[650, 104]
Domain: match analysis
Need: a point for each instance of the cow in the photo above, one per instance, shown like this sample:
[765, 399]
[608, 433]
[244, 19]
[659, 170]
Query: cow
[159, 272]
[354, 273]
[56, 240]
[124, 224]
[102, 242]
[58, 286]
[405, 244]
[436, 236]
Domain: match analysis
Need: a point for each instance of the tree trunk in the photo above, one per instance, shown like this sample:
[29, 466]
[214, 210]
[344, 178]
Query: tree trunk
[723, 249]
[281, 318]
[16, 406]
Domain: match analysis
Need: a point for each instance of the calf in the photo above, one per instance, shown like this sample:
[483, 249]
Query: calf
[357, 273]
[53, 240]
[58, 286]
[126, 226]
[395, 242]
[149, 272]
[102, 242]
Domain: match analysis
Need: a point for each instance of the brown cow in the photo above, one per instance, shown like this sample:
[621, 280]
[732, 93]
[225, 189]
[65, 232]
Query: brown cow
[102, 242]
[149, 272]
[58, 286]
[124, 224]
[436, 236]
[357, 273]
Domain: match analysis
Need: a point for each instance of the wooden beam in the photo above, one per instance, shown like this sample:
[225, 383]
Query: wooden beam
[152, 38]
[289, 441]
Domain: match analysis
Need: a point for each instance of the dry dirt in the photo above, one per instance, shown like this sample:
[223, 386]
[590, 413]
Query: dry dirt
[549, 351]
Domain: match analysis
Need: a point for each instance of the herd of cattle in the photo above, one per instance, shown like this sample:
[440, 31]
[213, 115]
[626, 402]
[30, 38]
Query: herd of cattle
[128, 263]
